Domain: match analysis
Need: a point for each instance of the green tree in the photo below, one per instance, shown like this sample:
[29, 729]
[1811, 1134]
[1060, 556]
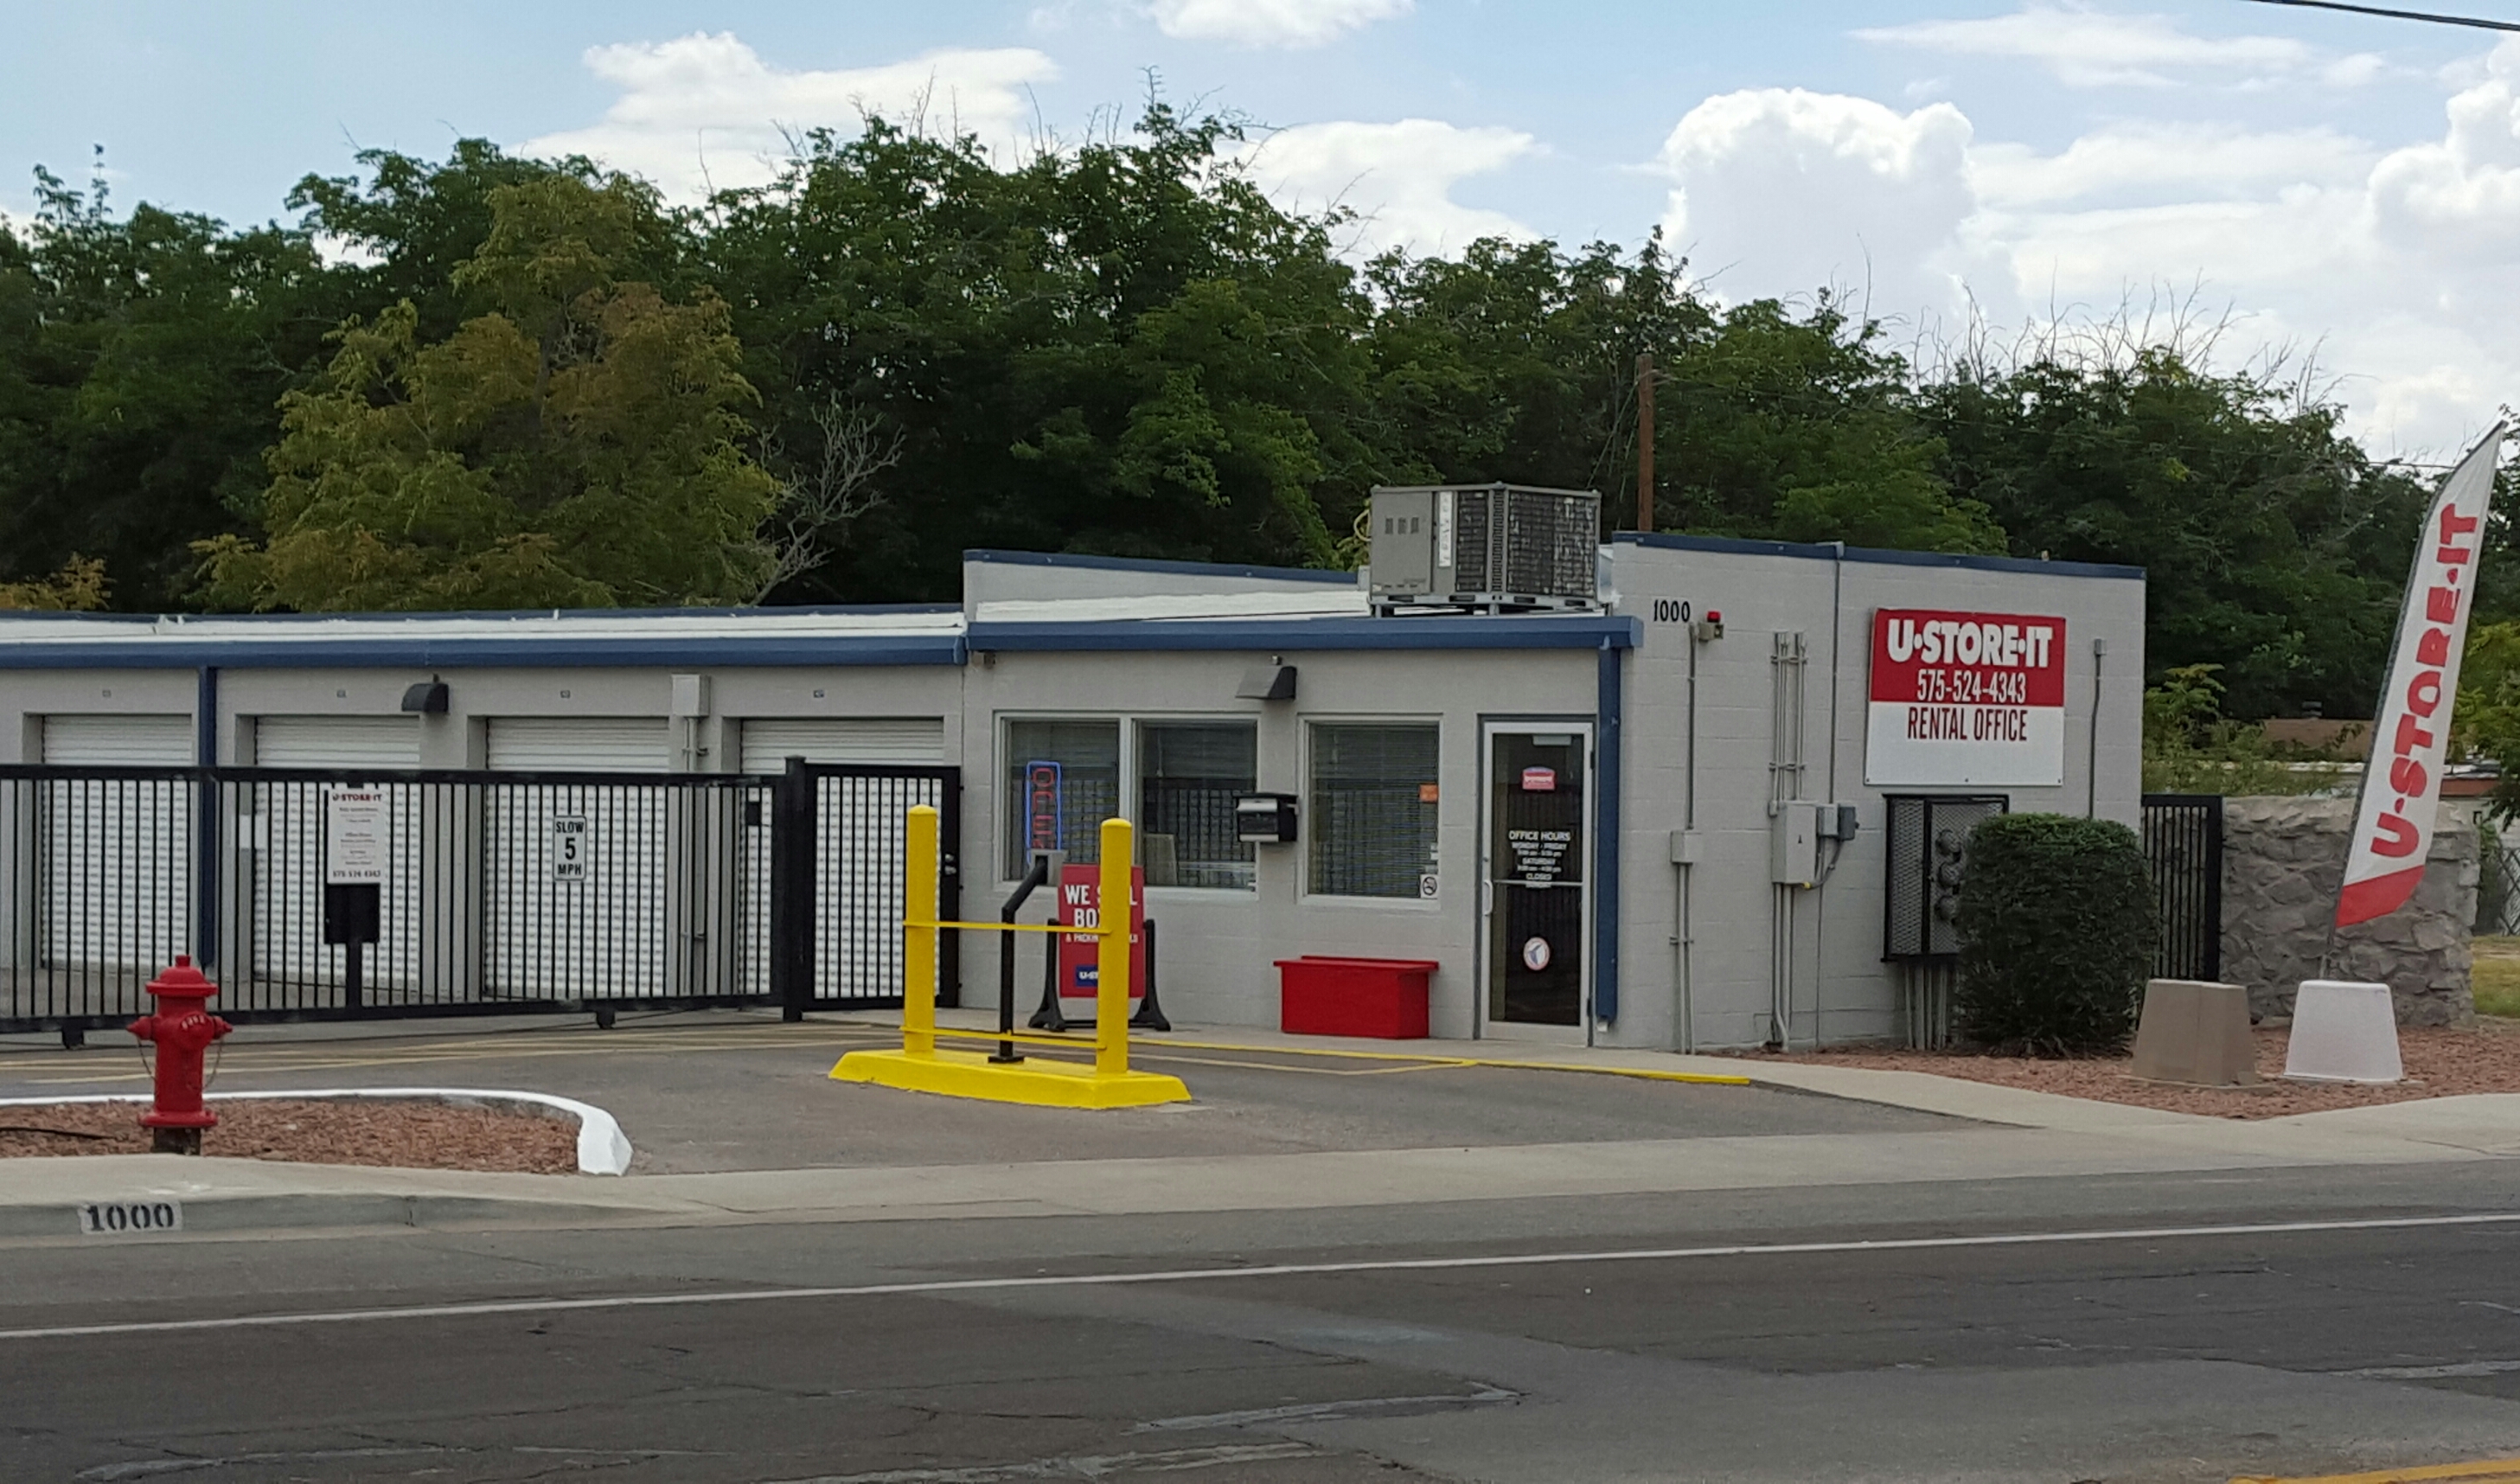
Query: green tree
[406, 229]
[578, 444]
[141, 359]
[1121, 349]
[2273, 546]
[80, 586]
[1517, 362]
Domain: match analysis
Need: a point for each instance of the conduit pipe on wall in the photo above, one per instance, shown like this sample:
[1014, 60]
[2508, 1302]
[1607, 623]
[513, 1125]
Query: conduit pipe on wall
[1682, 969]
[2091, 750]
[1837, 848]
[1786, 658]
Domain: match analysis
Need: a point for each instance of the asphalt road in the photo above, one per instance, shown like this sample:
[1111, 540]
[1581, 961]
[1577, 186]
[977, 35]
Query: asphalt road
[2187, 1355]
[721, 1092]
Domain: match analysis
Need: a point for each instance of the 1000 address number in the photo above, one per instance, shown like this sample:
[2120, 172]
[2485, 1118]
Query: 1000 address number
[124, 1218]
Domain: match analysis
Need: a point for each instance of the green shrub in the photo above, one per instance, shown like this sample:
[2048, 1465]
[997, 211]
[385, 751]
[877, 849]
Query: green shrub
[2056, 919]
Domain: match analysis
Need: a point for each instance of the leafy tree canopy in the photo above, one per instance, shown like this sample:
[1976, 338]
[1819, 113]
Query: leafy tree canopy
[2273, 547]
[578, 444]
[492, 381]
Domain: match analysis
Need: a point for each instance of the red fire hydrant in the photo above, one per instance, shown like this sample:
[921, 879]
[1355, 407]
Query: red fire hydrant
[183, 1029]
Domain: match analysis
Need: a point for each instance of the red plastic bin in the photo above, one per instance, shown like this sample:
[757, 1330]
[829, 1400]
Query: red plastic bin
[1322, 995]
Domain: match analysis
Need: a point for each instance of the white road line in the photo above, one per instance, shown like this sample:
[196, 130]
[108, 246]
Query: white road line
[948, 1285]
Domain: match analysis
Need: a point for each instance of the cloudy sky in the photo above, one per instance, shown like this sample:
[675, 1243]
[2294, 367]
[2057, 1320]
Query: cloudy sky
[2329, 186]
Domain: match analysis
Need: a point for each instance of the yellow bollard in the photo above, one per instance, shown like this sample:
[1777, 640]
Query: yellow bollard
[919, 933]
[1041, 1081]
[1111, 954]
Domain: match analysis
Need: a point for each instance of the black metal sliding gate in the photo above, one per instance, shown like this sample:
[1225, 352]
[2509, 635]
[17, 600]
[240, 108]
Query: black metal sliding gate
[2183, 845]
[494, 893]
[834, 918]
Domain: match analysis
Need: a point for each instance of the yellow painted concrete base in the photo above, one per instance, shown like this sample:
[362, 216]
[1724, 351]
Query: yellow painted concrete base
[1035, 1080]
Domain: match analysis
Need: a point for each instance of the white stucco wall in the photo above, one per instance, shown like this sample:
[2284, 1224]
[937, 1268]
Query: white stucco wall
[1842, 989]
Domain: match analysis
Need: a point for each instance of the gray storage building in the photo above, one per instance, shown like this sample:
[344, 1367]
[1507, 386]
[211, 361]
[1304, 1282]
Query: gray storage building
[1603, 825]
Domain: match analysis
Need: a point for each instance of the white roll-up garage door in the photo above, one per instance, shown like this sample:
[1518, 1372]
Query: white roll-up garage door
[117, 873]
[576, 877]
[336, 741]
[579, 743]
[281, 833]
[119, 741]
[770, 740]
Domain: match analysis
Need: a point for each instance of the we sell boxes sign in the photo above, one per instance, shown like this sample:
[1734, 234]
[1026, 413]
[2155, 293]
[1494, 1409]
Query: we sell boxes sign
[1966, 698]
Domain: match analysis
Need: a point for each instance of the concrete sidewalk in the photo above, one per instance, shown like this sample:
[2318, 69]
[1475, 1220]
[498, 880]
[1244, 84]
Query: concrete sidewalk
[2008, 1133]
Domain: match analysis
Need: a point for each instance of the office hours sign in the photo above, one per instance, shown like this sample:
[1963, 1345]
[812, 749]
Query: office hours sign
[356, 833]
[1965, 700]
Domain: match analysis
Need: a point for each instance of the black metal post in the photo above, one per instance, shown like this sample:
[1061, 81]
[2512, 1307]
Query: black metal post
[793, 890]
[1038, 874]
[1150, 1011]
[1049, 1017]
[354, 975]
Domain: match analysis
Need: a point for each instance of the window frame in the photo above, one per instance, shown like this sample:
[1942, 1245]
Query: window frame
[1133, 758]
[1308, 891]
[1006, 723]
[1132, 805]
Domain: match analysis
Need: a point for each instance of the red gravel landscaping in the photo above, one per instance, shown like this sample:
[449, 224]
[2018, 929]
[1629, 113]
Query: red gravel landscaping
[423, 1136]
[2439, 1063]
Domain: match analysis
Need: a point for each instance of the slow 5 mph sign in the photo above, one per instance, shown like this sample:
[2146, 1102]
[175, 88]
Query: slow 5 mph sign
[1965, 700]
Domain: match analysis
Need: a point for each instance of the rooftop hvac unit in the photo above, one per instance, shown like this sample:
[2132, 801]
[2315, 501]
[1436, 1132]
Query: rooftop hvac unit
[1493, 547]
[1927, 849]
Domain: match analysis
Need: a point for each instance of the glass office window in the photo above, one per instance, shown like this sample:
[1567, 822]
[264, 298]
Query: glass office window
[1371, 809]
[1189, 773]
[1062, 782]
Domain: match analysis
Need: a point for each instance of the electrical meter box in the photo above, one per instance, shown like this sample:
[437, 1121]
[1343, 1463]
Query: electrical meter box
[1793, 848]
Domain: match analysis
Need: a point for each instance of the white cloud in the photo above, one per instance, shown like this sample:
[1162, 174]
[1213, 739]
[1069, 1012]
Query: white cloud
[705, 111]
[1398, 178]
[1813, 189]
[2144, 159]
[2094, 49]
[1271, 22]
[2391, 262]
[2461, 194]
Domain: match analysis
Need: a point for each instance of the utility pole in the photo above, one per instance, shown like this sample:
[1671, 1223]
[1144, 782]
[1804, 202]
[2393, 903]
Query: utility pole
[1644, 441]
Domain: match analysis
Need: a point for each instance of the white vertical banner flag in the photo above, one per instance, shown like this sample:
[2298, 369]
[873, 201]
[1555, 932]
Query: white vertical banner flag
[2393, 826]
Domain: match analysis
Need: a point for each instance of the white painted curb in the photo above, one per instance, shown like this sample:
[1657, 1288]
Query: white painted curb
[601, 1147]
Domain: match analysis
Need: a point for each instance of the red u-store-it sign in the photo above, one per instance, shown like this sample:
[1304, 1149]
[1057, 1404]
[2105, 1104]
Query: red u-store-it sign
[1966, 698]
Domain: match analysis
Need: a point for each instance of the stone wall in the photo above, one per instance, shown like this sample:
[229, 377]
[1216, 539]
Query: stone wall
[2281, 860]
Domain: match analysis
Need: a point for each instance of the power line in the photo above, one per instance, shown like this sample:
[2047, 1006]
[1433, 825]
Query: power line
[2479, 22]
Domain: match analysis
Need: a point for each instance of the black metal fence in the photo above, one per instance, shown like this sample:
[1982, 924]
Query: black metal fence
[2183, 845]
[493, 893]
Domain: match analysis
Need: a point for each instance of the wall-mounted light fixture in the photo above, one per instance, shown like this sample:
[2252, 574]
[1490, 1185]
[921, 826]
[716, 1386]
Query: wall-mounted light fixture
[1268, 682]
[427, 698]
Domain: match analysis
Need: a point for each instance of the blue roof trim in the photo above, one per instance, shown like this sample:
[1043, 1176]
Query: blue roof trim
[1150, 564]
[1821, 551]
[833, 610]
[1464, 632]
[503, 652]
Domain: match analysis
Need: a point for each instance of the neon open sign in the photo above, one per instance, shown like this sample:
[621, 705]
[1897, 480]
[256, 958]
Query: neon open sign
[1041, 798]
